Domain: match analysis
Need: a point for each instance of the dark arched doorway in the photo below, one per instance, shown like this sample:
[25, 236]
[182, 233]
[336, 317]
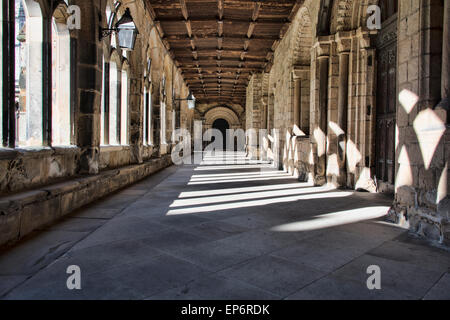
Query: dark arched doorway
[222, 125]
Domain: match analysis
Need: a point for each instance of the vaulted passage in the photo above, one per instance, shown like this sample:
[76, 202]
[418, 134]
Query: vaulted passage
[229, 149]
[223, 231]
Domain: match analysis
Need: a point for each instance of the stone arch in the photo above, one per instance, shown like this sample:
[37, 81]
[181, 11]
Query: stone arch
[60, 13]
[30, 69]
[342, 16]
[114, 56]
[36, 8]
[222, 113]
[303, 41]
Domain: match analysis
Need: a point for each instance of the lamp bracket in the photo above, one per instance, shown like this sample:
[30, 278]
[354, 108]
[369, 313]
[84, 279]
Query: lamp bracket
[106, 32]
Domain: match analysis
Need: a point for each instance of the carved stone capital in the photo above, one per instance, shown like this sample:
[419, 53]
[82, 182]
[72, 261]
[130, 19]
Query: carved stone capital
[322, 49]
[365, 38]
[344, 41]
[300, 72]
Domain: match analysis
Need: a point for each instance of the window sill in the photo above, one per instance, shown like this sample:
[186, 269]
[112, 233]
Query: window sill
[113, 148]
[10, 154]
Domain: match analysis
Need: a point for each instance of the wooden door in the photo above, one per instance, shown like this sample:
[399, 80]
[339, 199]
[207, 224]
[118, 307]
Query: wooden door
[386, 99]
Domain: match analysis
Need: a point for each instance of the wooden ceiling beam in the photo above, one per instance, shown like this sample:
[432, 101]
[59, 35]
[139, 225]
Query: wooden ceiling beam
[187, 22]
[220, 11]
[182, 38]
[214, 51]
[216, 80]
[229, 86]
[295, 8]
[221, 99]
[221, 69]
[251, 29]
[163, 4]
[261, 59]
[209, 21]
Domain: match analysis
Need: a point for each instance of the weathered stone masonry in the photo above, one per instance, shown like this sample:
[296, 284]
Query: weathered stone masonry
[337, 83]
[62, 179]
[352, 107]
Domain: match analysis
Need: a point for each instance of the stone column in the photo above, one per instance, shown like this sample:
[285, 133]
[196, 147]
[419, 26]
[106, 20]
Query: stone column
[301, 109]
[297, 100]
[136, 102]
[342, 115]
[320, 132]
[344, 46]
[89, 79]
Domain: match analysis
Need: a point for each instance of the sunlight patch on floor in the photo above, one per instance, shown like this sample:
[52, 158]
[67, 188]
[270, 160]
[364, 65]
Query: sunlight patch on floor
[334, 219]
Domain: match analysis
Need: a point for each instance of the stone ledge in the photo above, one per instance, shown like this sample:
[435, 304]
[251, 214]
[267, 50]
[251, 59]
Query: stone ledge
[24, 212]
[38, 152]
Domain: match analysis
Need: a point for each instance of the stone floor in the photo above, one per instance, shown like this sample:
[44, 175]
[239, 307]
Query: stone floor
[226, 231]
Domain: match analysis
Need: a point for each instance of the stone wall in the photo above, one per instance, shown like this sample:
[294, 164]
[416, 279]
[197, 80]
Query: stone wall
[422, 186]
[39, 185]
[333, 78]
[25, 212]
[29, 168]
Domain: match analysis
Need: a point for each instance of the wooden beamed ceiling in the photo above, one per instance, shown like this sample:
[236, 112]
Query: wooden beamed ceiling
[219, 44]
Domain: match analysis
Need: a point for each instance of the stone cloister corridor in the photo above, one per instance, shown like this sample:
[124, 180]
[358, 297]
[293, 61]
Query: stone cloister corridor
[176, 235]
[225, 150]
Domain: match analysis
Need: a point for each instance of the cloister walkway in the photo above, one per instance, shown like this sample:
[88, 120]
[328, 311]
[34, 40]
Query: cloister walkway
[226, 231]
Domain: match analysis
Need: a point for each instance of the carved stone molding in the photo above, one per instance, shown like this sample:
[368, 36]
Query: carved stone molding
[300, 72]
[344, 41]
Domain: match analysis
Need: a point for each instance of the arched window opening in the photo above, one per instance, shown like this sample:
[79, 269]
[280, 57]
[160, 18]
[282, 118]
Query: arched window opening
[124, 107]
[174, 118]
[163, 111]
[163, 122]
[149, 120]
[145, 117]
[28, 77]
[147, 128]
[113, 103]
[103, 110]
[61, 124]
[148, 105]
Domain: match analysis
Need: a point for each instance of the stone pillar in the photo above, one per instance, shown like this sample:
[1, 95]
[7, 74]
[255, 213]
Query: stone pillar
[344, 46]
[136, 103]
[297, 100]
[321, 125]
[89, 76]
[342, 116]
[301, 107]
